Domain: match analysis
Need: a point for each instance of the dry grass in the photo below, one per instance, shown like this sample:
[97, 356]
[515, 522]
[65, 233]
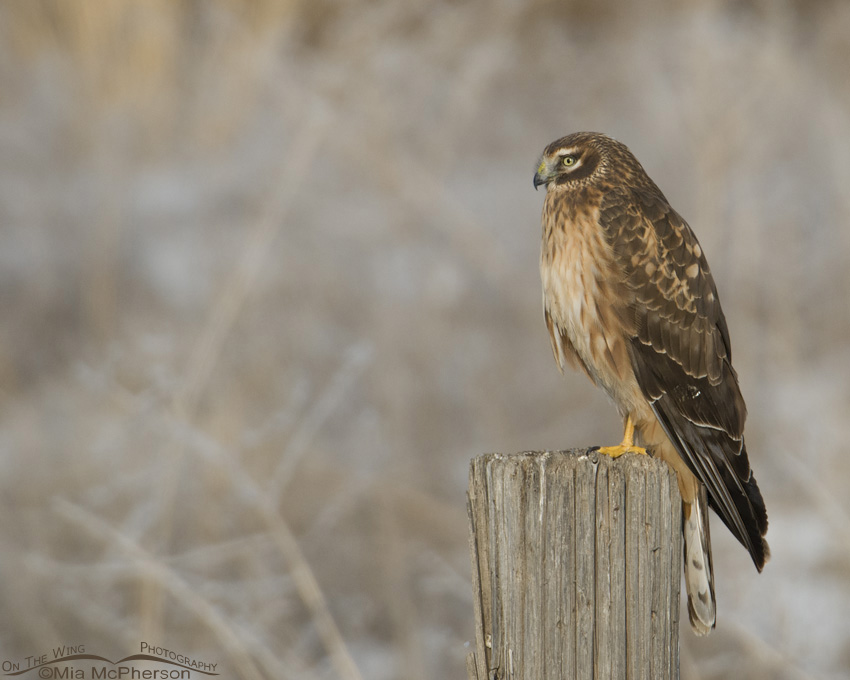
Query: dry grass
[270, 281]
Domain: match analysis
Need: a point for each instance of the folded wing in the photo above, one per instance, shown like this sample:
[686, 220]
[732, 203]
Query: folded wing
[680, 352]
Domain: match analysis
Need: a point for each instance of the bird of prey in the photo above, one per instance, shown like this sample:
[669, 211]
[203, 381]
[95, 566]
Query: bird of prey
[629, 299]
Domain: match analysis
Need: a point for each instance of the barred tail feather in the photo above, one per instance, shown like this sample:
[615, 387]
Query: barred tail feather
[699, 570]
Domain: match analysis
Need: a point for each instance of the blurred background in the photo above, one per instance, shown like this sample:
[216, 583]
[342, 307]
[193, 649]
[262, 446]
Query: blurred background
[269, 282]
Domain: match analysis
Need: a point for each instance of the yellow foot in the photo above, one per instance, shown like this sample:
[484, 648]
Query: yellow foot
[619, 450]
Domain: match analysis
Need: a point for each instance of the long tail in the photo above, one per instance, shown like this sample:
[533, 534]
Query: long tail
[699, 570]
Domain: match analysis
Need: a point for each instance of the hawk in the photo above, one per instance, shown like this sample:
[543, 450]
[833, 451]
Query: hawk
[629, 299]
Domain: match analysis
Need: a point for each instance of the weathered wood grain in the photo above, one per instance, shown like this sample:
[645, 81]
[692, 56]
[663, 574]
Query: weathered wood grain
[576, 562]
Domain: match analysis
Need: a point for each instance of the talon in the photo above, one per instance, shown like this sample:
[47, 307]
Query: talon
[627, 445]
[619, 450]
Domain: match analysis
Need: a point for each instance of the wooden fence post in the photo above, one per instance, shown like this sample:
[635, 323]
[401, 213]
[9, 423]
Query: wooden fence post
[576, 567]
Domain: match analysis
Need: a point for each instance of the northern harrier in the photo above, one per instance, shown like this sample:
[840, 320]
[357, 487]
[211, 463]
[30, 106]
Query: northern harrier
[628, 298]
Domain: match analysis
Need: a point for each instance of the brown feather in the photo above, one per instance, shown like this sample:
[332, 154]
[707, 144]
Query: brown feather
[630, 299]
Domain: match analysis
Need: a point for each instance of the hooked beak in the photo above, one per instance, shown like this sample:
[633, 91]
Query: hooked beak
[542, 175]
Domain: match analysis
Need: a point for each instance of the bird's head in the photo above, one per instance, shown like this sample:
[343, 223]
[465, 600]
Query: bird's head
[572, 159]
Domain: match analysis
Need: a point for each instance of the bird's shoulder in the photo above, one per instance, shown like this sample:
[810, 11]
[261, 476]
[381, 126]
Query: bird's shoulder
[672, 291]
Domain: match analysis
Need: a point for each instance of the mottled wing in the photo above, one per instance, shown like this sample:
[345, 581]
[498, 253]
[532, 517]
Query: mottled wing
[680, 352]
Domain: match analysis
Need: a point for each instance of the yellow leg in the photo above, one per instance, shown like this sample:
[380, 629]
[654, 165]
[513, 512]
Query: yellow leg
[627, 445]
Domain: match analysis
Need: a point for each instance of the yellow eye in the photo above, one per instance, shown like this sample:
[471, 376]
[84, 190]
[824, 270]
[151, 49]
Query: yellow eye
[569, 161]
